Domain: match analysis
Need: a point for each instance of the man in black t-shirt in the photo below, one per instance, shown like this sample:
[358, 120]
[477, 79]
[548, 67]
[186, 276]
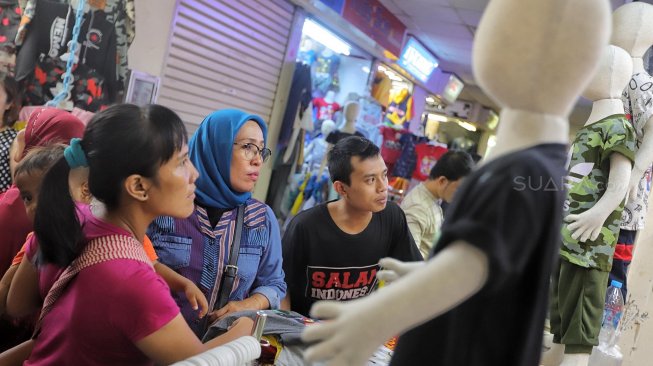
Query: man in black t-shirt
[331, 251]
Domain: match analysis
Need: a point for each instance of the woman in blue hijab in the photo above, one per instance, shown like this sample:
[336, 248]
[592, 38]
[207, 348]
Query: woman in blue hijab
[228, 150]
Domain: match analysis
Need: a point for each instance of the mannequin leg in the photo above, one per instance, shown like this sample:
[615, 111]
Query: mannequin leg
[553, 356]
[576, 359]
[577, 300]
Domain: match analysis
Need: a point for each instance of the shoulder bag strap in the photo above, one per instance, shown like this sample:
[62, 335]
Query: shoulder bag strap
[231, 270]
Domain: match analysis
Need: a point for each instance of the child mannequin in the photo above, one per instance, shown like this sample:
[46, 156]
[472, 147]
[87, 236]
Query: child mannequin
[633, 31]
[601, 157]
[462, 277]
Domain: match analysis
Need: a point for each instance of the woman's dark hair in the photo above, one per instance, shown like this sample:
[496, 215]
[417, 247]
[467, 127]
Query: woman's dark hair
[10, 116]
[118, 142]
[339, 158]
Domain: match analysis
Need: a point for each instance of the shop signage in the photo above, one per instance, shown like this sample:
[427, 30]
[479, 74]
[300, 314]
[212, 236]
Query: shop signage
[373, 19]
[417, 60]
[452, 89]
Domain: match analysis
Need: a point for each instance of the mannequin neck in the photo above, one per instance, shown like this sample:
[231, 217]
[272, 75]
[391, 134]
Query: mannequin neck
[349, 127]
[604, 107]
[520, 129]
[638, 65]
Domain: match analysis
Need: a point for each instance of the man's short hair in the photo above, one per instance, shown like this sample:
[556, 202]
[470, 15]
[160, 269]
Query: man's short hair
[339, 158]
[453, 165]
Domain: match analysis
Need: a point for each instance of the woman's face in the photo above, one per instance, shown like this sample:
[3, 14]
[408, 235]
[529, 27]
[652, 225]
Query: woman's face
[245, 171]
[174, 190]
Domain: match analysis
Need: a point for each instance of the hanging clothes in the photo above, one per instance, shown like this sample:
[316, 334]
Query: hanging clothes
[391, 148]
[381, 88]
[427, 156]
[326, 73]
[299, 100]
[39, 61]
[400, 110]
[405, 166]
[10, 14]
[299, 97]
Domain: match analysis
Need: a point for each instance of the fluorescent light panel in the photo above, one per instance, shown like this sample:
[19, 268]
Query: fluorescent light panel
[325, 37]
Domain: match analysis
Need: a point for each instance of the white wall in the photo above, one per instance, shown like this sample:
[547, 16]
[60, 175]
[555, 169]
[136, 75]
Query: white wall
[153, 23]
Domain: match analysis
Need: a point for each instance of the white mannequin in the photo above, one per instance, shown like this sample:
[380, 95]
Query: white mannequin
[633, 31]
[535, 69]
[605, 90]
[352, 109]
[317, 148]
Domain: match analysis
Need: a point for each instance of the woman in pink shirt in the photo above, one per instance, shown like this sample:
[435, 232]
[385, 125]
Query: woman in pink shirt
[110, 307]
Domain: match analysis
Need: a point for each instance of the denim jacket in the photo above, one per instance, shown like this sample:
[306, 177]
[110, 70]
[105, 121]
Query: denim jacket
[200, 253]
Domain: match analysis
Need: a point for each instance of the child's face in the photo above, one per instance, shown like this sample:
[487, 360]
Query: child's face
[29, 185]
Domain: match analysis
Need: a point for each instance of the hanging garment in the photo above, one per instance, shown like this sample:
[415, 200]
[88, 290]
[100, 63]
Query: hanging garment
[427, 156]
[121, 13]
[326, 74]
[405, 166]
[299, 97]
[96, 82]
[325, 110]
[391, 148]
[381, 88]
[400, 110]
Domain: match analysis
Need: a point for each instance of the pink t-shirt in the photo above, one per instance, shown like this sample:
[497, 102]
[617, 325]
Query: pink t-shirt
[92, 228]
[104, 311]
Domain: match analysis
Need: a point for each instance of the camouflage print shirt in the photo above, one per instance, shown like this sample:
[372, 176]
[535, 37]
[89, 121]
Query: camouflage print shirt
[587, 180]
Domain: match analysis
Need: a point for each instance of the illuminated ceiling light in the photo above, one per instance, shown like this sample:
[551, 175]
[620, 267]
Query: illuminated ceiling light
[365, 69]
[430, 100]
[381, 68]
[467, 126]
[325, 37]
[437, 117]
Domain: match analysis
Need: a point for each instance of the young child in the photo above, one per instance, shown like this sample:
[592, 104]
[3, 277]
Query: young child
[28, 176]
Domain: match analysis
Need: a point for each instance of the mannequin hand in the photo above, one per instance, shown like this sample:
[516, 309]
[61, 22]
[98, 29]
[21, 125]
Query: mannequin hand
[394, 269]
[586, 225]
[196, 298]
[355, 329]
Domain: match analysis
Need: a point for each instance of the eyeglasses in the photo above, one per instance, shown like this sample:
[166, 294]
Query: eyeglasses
[250, 150]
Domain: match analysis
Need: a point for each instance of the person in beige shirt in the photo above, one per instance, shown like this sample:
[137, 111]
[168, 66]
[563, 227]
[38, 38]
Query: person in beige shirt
[422, 204]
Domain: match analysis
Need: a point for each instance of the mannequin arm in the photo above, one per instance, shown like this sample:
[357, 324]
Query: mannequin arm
[643, 159]
[358, 327]
[587, 225]
[392, 269]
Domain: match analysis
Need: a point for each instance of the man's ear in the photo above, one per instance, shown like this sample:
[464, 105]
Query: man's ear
[137, 187]
[340, 188]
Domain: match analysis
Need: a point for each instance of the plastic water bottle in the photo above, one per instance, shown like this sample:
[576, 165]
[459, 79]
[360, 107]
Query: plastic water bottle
[614, 307]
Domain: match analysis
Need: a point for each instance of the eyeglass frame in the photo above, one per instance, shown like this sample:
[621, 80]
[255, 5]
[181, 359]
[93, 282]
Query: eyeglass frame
[259, 151]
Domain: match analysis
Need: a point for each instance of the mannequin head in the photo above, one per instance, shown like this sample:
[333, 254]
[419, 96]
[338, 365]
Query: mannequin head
[352, 109]
[328, 126]
[633, 28]
[329, 97]
[615, 70]
[541, 63]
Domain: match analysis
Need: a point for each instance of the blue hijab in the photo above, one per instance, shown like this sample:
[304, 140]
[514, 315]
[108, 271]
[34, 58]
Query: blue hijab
[210, 150]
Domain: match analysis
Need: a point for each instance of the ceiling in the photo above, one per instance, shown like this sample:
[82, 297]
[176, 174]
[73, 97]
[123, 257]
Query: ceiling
[447, 28]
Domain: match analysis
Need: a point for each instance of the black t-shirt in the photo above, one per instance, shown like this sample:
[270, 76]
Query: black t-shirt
[511, 209]
[321, 262]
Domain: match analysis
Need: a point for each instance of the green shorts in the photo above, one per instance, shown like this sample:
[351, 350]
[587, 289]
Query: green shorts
[576, 306]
